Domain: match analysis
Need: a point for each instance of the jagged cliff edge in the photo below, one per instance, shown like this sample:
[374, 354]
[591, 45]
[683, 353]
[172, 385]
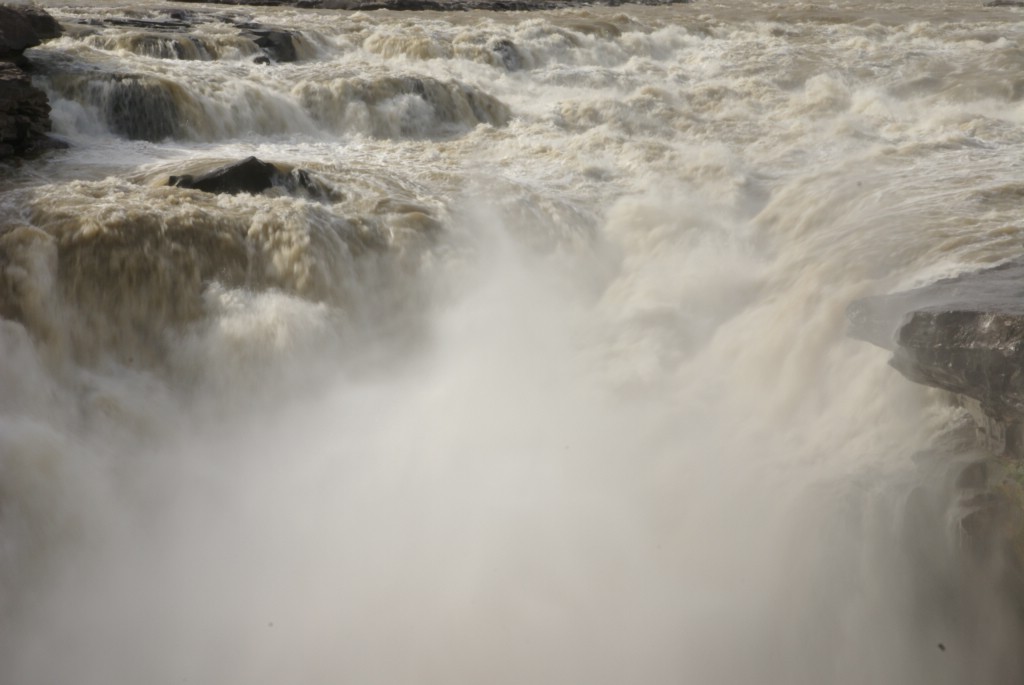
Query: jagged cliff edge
[965, 335]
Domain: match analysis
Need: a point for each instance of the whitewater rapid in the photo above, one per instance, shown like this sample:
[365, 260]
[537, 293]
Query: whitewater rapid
[547, 381]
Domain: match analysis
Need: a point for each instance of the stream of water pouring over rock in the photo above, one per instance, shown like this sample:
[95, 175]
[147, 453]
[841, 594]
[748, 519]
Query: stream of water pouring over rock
[545, 381]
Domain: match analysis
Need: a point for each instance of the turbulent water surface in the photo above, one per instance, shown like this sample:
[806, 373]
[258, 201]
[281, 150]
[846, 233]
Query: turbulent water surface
[543, 376]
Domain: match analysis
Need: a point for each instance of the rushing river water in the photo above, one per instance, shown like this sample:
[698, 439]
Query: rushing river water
[542, 379]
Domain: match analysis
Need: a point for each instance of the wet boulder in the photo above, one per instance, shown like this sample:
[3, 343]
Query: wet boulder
[16, 34]
[44, 25]
[24, 109]
[24, 113]
[251, 175]
[22, 28]
[278, 45]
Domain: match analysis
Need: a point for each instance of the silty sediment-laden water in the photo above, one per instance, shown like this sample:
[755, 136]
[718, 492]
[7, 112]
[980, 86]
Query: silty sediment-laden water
[542, 377]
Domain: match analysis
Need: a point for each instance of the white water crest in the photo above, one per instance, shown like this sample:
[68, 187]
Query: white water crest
[542, 376]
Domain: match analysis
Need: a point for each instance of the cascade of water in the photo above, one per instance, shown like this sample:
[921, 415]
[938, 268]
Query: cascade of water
[540, 374]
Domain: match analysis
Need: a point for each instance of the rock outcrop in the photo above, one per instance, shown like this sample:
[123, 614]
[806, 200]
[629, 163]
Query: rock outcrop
[24, 113]
[965, 335]
[279, 45]
[16, 34]
[251, 175]
[24, 109]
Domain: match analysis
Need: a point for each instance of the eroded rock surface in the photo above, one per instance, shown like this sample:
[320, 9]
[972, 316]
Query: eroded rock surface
[964, 335]
[16, 34]
[24, 112]
[24, 109]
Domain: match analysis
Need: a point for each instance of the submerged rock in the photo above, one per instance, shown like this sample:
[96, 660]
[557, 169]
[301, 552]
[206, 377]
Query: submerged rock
[251, 175]
[508, 53]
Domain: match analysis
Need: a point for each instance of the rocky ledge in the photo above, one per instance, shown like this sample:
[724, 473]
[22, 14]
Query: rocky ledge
[965, 335]
[24, 109]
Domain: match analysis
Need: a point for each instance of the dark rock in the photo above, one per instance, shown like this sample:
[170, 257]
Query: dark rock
[964, 335]
[1004, 3]
[16, 33]
[24, 109]
[22, 28]
[44, 25]
[278, 44]
[251, 175]
[24, 113]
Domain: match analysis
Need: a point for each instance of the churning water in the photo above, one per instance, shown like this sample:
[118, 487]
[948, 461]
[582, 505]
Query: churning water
[543, 380]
